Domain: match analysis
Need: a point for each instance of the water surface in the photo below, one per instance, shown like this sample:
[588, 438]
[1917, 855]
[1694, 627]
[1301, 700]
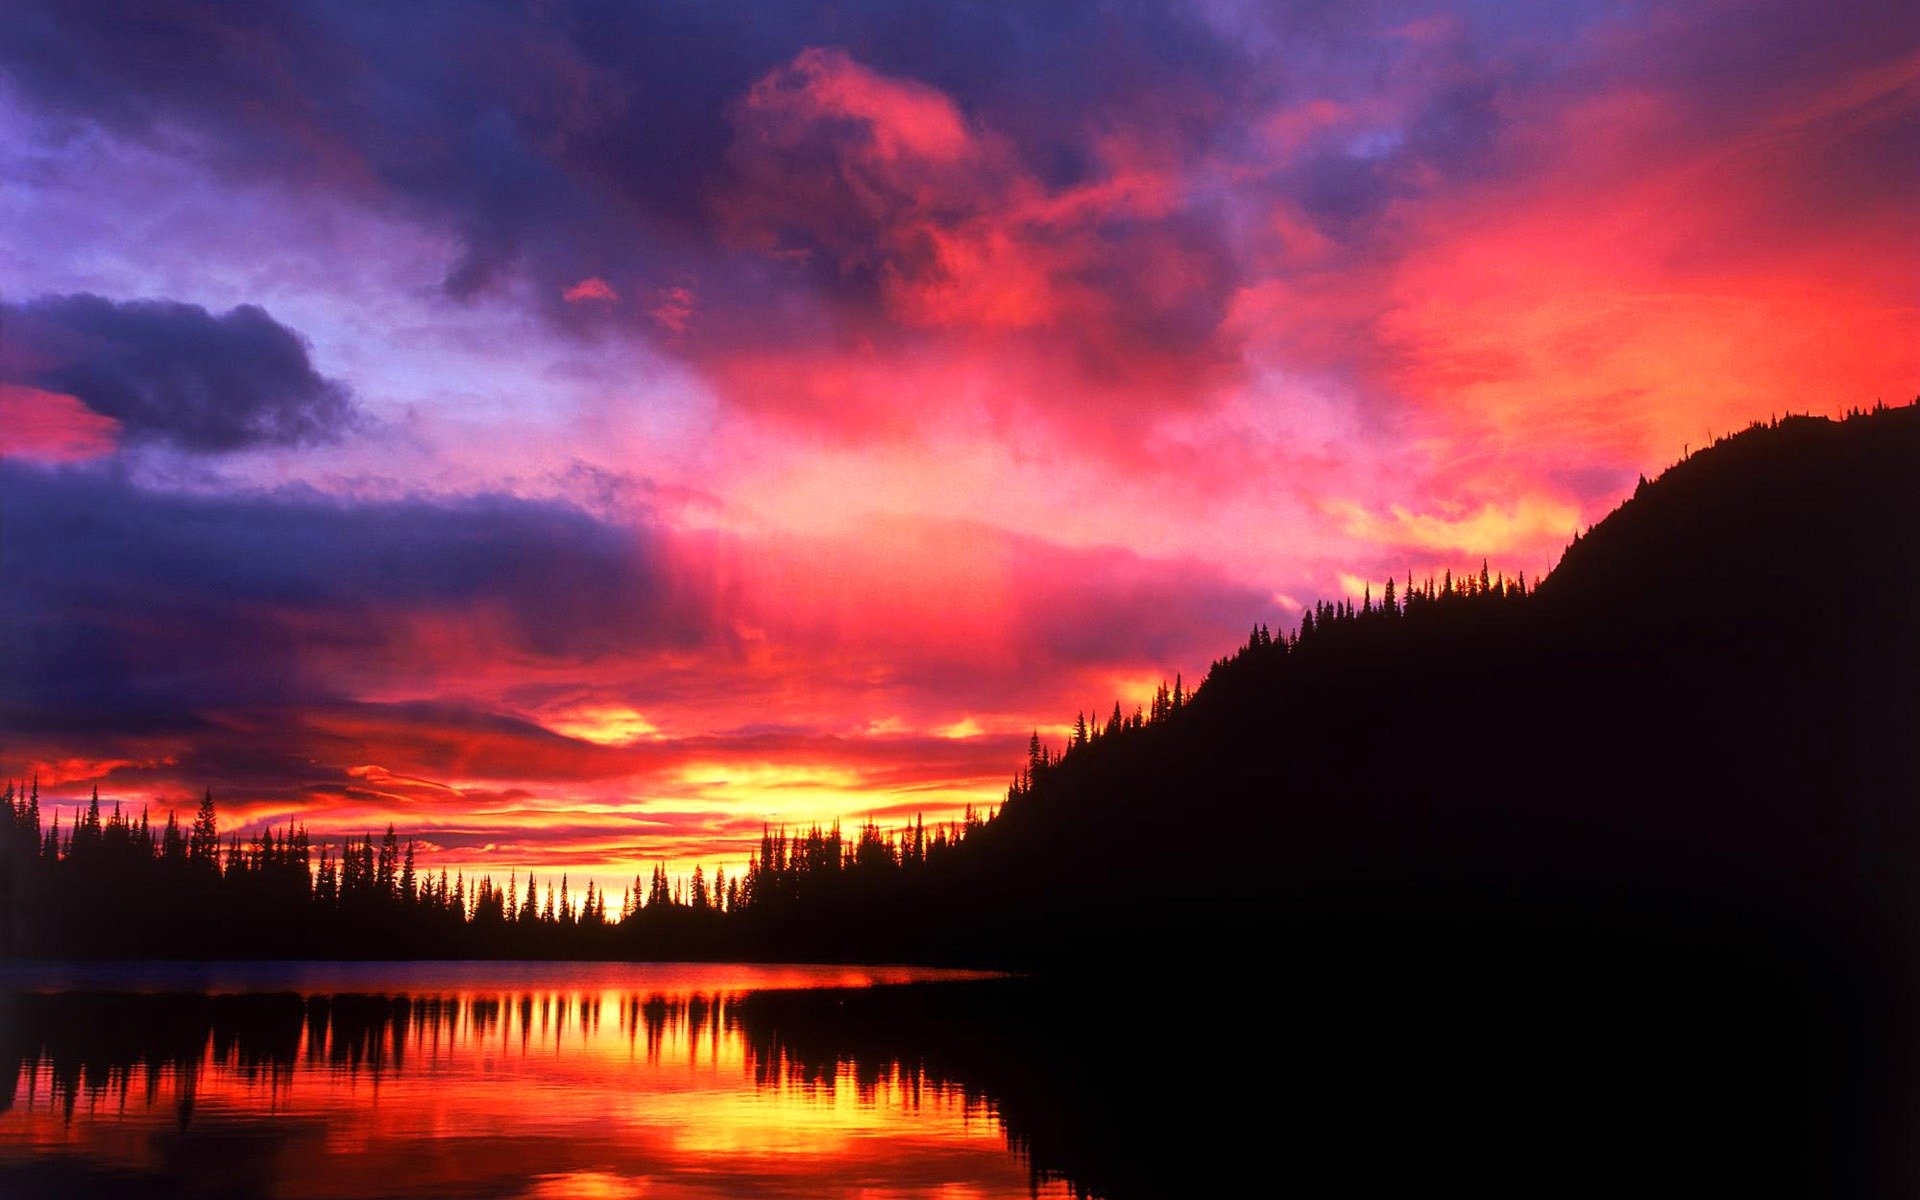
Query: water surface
[472, 1079]
[1357, 1064]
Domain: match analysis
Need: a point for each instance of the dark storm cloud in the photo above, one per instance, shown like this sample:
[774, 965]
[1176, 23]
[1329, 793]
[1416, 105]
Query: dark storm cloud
[587, 138]
[176, 373]
[133, 605]
[557, 138]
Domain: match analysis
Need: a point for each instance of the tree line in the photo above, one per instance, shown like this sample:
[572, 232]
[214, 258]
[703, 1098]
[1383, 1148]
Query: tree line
[1343, 630]
[112, 883]
[109, 883]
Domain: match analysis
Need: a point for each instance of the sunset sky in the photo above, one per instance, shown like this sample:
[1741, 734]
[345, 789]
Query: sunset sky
[578, 433]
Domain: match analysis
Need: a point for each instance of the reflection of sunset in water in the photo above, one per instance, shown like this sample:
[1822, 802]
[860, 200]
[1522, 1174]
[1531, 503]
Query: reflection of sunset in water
[556, 1092]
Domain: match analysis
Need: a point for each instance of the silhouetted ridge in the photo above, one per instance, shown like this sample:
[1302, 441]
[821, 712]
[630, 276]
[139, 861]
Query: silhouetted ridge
[1709, 705]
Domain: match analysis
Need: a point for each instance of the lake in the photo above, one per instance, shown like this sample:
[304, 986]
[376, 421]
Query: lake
[1364, 1066]
[471, 1079]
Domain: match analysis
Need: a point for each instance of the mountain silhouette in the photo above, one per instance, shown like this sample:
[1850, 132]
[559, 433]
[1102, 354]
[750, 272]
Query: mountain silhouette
[1710, 707]
[1637, 852]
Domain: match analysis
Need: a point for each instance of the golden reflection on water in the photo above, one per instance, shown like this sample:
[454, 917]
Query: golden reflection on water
[549, 1093]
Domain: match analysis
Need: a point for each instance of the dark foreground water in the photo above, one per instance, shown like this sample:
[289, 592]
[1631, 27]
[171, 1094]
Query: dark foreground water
[1518, 1070]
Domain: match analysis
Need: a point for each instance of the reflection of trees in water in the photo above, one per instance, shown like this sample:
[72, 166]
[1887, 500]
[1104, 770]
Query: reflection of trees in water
[1372, 1065]
[91, 1045]
[113, 1049]
[888, 1045]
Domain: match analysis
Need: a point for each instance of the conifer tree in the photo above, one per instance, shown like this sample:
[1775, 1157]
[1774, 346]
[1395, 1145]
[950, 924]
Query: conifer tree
[203, 844]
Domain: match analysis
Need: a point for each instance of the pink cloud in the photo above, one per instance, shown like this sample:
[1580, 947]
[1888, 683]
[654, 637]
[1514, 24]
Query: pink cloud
[1629, 282]
[1644, 287]
[1293, 128]
[673, 309]
[883, 176]
[591, 289]
[927, 234]
[52, 427]
[903, 119]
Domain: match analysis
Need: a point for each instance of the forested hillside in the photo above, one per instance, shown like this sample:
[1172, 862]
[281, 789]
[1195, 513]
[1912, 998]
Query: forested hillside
[1709, 707]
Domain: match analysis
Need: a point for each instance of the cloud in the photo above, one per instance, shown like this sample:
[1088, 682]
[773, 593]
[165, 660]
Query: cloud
[51, 426]
[1531, 529]
[341, 659]
[145, 606]
[675, 308]
[1647, 281]
[175, 373]
[592, 288]
[916, 224]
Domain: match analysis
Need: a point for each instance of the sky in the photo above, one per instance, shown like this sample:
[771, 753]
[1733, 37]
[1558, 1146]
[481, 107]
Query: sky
[579, 433]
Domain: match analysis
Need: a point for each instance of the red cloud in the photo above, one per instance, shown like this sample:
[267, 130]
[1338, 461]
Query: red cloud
[674, 309]
[886, 180]
[1631, 281]
[927, 235]
[903, 120]
[1620, 324]
[52, 426]
[592, 288]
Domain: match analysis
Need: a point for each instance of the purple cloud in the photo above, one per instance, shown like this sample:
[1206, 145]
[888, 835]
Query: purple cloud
[175, 373]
